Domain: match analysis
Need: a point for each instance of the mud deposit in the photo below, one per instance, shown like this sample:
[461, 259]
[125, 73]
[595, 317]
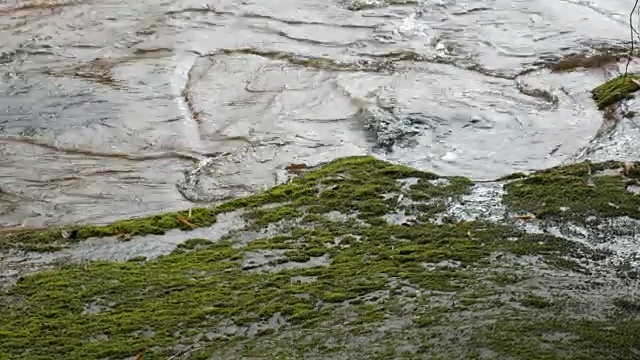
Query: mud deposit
[112, 109]
[356, 259]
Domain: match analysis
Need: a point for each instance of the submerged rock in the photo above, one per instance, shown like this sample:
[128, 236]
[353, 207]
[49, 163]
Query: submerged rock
[357, 258]
[393, 128]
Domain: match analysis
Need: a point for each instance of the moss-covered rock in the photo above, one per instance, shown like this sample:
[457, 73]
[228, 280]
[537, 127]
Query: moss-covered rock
[577, 192]
[53, 239]
[358, 258]
[615, 90]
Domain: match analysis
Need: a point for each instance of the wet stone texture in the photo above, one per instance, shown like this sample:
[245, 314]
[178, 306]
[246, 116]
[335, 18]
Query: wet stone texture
[112, 109]
[358, 258]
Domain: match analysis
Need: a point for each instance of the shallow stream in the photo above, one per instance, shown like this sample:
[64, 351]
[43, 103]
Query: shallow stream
[111, 109]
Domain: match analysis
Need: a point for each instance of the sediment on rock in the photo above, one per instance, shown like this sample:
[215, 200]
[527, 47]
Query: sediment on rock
[599, 58]
[604, 57]
[356, 258]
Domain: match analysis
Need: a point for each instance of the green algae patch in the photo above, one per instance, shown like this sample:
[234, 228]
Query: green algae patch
[158, 224]
[576, 192]
[615, 90]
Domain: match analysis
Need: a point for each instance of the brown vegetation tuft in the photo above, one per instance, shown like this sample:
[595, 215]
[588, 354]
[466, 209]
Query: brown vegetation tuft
[587, 61]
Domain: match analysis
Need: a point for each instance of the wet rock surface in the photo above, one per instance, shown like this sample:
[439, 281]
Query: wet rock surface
[113, 109]
[357, 258]
[109, 110]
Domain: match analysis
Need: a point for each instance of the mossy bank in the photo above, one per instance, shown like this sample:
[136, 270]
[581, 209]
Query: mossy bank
[356, 259]
[615, 90]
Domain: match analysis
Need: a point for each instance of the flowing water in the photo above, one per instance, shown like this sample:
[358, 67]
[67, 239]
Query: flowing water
[113, 108]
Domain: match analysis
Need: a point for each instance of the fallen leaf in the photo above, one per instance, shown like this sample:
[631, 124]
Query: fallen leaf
[185, 221]
[526, 217]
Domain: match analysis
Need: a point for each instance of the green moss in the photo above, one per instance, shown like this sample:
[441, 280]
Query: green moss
[628, 305]
[514, 176]
[159, 224]
[506, 278]
[535, 301]
[425, 320]
[262, 217]
[158, 303]
[347, 185]
[359, 296]
[567, 264]
[549, 337]
[369, 313]
[453, 188]
[337, 297]
[574, 192]
[192, 244]
[614, 90]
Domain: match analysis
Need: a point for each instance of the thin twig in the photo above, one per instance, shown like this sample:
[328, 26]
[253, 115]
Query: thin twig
[191, 348]
[188, 349]
[633, 31]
